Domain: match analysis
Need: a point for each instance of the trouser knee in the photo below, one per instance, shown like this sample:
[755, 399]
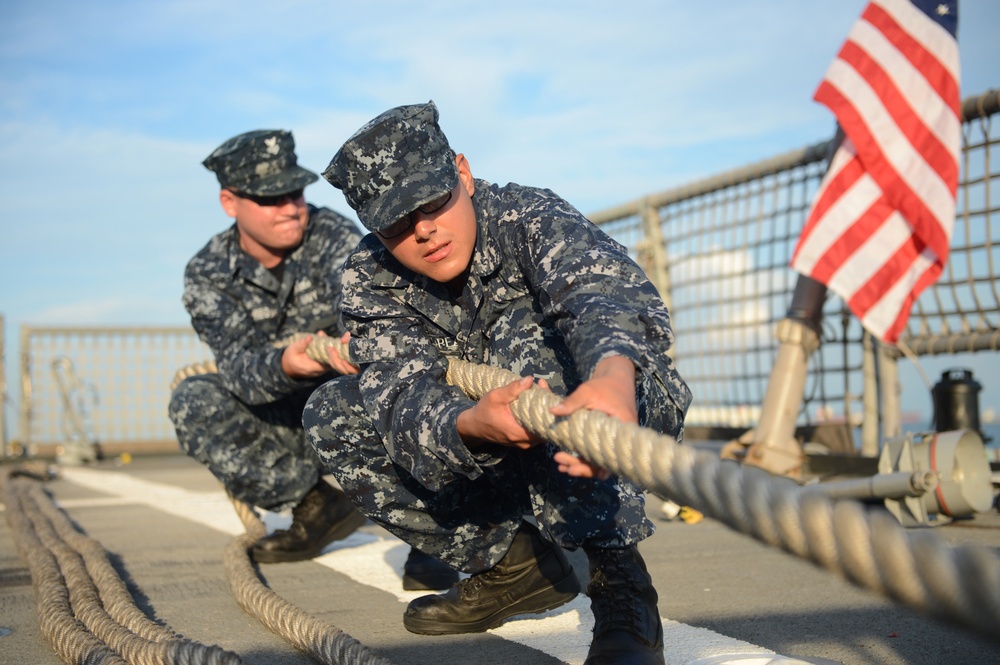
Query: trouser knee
[194, 403]
[259, 452]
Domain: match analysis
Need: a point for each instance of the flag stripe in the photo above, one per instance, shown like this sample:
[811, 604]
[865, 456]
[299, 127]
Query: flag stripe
[892, 161]
[849, 264]
[843, 174]
[889, 315]
[931, 51]
[880, 226]
[900, 254]
[929, 123]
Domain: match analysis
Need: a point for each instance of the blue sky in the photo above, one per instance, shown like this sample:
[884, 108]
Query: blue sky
[107, 108]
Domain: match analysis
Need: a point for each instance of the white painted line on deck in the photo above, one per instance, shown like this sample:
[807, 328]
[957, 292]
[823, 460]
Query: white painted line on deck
[563, 633]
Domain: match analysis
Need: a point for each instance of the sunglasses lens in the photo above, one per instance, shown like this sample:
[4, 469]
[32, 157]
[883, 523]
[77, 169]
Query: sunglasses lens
[436, 204]
[405, 222]
[278, 199]
[396, 228]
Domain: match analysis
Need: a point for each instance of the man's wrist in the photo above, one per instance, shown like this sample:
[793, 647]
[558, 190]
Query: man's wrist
[465, 424]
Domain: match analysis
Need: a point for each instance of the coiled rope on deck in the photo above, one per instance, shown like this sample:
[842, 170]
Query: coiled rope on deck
[322, 641]
[84, 608]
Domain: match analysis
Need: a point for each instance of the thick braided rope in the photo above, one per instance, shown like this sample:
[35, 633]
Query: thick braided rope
[84, 608]
[915, 569]
[918, 570]
[321, 641]
[194, 369]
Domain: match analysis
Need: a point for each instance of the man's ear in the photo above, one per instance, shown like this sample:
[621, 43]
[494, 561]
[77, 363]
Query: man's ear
[465, 174]
[228, 202]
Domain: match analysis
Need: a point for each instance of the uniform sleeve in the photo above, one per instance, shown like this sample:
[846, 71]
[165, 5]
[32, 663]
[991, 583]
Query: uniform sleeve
[223, 307]
[404, 383]
[589, 286]
[248, 365]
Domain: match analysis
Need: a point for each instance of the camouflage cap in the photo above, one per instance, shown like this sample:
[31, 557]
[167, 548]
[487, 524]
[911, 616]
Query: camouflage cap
[261, 163]
[394, 164]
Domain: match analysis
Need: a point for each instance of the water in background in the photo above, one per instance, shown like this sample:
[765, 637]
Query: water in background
[991, 432]
[991, 435]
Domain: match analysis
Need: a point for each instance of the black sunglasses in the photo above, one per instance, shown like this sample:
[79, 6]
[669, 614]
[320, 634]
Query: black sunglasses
[403, 224]
[277, 199]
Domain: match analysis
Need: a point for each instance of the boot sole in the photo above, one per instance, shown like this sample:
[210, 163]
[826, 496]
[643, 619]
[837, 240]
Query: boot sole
[338, 531]
[542, 600]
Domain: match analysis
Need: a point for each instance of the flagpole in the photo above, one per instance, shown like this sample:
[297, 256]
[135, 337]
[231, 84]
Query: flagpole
[772, 445]
[880, 226]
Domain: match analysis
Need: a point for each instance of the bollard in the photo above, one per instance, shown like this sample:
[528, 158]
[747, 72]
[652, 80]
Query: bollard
[956, 401]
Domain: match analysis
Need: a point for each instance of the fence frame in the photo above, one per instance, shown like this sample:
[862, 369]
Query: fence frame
[29, 443]
[880, 406]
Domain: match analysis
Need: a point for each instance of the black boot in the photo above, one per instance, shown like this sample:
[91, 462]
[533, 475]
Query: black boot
[627, 628]
[324, 515]
[532, 577]
[424, 572]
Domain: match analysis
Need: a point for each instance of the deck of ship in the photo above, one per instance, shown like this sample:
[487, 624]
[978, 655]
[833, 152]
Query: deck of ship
[724, 598]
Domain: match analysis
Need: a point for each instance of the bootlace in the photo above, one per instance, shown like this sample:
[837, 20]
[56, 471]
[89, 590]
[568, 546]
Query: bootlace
[471, 585]
[617, 592]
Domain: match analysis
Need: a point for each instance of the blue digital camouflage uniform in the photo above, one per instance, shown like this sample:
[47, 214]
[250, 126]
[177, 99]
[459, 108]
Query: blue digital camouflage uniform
[245, 422]
[548, 294]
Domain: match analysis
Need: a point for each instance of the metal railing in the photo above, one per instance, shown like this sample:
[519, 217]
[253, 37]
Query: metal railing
[3, 388]
[719, 251]
[108, 385]
[961, 311]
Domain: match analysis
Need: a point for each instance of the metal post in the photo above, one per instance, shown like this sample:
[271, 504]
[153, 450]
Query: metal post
[24, 418]
[774, 446]
[3, 390]
[870, 420]
[654, 239]
[888, 371]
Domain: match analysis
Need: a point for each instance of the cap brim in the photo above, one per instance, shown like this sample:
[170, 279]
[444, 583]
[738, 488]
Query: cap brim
[288, 180]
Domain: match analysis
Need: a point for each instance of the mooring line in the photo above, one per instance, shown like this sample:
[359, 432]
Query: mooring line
[84, 608]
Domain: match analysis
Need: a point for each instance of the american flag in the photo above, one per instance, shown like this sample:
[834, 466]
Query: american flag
[880, 227]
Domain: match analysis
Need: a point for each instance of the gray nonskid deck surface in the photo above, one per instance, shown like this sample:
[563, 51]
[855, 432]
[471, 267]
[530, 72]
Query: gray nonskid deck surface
[717, 583]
